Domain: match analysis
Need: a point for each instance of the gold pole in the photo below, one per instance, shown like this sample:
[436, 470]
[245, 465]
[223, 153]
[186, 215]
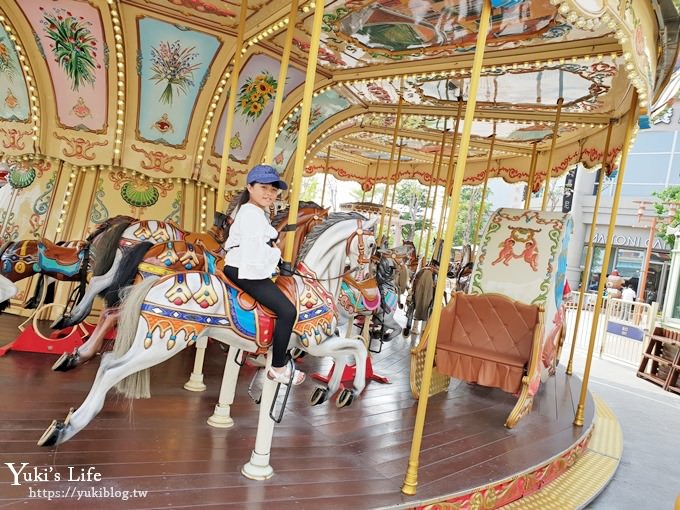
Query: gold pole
[363, 192]
[579, 419]
[532, 173]
[483, 199]
[375, 181]
[434, 203]
[301, 149]
[548, 172]
[397, 122]
[325, 175]
[411, 478]
[394, 189]
[231, 106]
[435, 164]
[283, 71]
[589, 252]
[449, 170]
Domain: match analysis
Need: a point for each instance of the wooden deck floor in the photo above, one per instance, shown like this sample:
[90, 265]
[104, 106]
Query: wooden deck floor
[323, 457]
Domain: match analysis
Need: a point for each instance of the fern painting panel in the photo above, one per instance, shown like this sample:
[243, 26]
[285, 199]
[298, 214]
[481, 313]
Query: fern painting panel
[13, 90]
[71, 39]
[173, 64]
[254, 104]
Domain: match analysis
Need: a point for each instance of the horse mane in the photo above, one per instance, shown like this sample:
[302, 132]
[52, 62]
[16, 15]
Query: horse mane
[105, 249]
[121, 218]
[318, 230]
[283, 213]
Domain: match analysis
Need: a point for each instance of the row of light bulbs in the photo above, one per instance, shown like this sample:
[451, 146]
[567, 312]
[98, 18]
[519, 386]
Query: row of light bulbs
[270, 30]
[67, 197]
[211, 114]
[30, 79]
[613, 24]
[120, 73]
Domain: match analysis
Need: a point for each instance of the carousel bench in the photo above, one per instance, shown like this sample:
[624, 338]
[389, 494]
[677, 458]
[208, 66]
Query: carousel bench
[491, 340]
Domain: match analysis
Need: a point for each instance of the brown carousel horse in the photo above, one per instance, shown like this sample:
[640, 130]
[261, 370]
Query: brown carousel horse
[22, 259]
[118, 241]
[148, 259]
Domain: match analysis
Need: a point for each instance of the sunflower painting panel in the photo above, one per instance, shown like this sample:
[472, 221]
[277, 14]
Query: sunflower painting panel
[324, 106]
[13, 90]
[173, 65]
[254, 104]
[70, 37]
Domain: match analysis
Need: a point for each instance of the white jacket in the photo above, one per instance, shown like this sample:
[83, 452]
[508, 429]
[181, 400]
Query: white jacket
[247, 247]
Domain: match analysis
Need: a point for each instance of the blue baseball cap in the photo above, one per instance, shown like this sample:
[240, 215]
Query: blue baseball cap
[265, 174]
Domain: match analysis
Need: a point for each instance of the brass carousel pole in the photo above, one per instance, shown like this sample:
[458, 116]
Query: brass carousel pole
[436, 190]
[548, 172]
[532, 174]
[325, 175]
[231, 105]
[580, 410]
[484, 189]
[397, 122]
[411, 478]
[394, 189]
[436, 165]
[449, 171]
[589, 251]
[363, 191]
[300, 152]
[281, 84]
[375, 180]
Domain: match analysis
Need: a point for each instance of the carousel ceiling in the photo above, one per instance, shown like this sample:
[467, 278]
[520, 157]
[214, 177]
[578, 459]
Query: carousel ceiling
[143, 84]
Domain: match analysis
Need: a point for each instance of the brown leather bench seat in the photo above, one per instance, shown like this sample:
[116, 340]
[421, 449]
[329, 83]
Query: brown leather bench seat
[486, 339]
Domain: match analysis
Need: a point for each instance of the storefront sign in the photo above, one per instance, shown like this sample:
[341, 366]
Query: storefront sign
[631, 241]
[568, 196]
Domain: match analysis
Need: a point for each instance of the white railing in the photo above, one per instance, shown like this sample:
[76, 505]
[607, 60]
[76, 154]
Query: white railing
[622, 332]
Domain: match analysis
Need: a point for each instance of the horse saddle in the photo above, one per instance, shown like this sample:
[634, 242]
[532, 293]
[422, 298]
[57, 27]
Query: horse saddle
[248, 303]
[62, 255]
[368, 289]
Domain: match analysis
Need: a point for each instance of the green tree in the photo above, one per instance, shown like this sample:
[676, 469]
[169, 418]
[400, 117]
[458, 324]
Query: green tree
[413, 196]
[670, 194]
[309, 189]
[468, 212]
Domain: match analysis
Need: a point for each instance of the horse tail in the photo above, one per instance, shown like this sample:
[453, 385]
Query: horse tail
[105, 250]
[137, 384]
[126, 273]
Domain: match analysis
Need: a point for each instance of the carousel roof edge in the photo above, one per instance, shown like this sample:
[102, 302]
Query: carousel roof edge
[669, 19]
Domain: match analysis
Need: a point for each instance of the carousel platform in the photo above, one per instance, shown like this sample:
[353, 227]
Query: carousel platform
[161, 453]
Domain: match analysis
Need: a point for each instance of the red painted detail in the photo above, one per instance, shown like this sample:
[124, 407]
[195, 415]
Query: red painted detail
[349, 373]
[64, 340]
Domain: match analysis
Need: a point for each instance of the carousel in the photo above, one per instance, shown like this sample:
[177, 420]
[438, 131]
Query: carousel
[127, 128]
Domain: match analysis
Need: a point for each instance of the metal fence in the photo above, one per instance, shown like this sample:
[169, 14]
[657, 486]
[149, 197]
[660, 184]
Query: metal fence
[623, 329]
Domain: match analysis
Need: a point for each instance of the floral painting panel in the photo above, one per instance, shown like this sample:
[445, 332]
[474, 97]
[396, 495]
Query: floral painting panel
[173, 66]
[13, 90]
[72, 41]
[255, 102]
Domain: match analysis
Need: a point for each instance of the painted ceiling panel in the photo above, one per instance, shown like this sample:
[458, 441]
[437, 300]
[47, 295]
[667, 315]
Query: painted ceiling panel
[323, 107]
[72, 42]
[173, 64]
[254, 105]
[13, 90]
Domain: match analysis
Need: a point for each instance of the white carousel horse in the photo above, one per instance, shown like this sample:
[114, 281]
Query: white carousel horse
[160, 317]
[119, 240]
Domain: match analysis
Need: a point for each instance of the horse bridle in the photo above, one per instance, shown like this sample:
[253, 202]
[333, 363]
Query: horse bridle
[359, 233]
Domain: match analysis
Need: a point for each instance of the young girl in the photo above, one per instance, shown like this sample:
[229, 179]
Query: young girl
[252, 259]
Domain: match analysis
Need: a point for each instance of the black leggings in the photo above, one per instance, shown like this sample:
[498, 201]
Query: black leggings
[268, 294]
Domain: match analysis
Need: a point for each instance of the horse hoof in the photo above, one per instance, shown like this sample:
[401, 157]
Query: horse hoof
[319, 396]
[66, 362]
[51, 436]
[61, 323]
[405, 332]
[345, 398]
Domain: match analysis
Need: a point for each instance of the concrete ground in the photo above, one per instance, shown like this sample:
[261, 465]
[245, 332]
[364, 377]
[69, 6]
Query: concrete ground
[648, 475]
